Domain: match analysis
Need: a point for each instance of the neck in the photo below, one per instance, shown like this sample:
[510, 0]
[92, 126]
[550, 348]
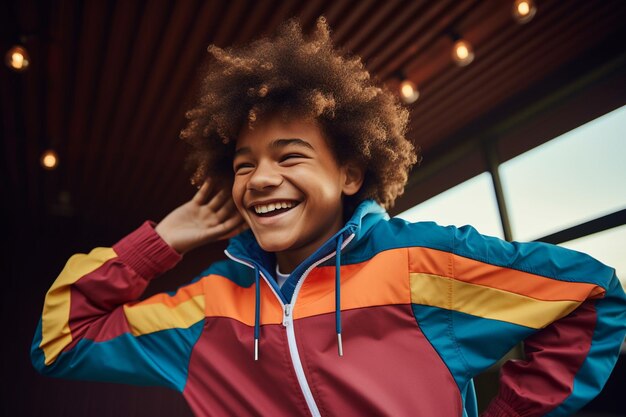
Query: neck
[289, 260]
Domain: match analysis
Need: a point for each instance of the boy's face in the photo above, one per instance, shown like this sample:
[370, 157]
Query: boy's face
[289, 187]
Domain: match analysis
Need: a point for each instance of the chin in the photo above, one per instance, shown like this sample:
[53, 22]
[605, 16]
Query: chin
[272, 244]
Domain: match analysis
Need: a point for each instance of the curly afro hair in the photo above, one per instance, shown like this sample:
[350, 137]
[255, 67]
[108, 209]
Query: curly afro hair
[295, 76]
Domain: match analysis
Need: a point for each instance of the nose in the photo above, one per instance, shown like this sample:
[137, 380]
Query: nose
[264, 176]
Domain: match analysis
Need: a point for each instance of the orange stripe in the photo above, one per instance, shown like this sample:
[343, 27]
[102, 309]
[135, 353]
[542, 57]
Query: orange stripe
[224, 298]
[383, 280]
[431, 261]
[219, 296]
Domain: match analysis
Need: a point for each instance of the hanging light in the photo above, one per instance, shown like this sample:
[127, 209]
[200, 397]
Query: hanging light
[49, 159]
[17, 58]
[462, 52]
[408, 91]
[524, 10]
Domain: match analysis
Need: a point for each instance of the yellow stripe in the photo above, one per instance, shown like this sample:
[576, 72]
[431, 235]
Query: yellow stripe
[55, 329]
[477, 300]
[154, 317]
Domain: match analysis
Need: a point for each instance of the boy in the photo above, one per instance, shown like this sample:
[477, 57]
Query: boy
[326, 307]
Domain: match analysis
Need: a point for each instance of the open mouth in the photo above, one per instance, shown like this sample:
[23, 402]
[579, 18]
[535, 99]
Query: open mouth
[273, 209]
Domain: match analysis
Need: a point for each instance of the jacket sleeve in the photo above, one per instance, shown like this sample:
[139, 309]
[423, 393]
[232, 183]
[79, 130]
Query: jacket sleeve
[569, 309]
[93, 328]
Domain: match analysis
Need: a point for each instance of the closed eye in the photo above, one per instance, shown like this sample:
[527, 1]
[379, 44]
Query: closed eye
[244, 166]
[292, 156]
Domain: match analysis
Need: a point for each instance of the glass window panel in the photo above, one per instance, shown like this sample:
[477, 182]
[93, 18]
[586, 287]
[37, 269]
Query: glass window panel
[471, 202]
[576, 177]
[606, 246]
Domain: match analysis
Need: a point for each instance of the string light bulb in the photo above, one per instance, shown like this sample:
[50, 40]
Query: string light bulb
[524, 10]
[408, 91]
[17, 58]
[49, 159]
[462, 52]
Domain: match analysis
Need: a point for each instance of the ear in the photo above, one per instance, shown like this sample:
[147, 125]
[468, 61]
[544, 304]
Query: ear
[354, 174]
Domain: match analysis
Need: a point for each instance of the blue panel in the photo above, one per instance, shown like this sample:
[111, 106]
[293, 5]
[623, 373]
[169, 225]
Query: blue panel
[241, 275]
[467, 344]
[535, 257]
[159, 358]
[436, 325]
[484, 341]
[470, 405]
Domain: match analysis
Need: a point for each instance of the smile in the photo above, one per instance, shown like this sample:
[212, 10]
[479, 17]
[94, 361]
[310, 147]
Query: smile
[274, 208]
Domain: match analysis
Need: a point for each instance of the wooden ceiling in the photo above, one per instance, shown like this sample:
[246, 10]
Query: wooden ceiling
[109, 82]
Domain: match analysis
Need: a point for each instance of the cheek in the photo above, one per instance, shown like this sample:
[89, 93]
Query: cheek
[329, 187]
[237, 194]
[328, 195]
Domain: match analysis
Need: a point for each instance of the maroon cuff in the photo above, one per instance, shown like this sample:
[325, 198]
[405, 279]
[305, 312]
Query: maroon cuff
[146, 252]
[499, 408]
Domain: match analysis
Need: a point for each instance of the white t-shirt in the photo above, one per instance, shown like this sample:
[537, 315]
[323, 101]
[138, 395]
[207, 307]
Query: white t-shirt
[280, 277]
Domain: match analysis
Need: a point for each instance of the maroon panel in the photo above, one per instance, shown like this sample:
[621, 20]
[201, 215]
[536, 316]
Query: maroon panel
[96, 298]
[100, 326]
[388, 367]
[224, 379]
[95, 311]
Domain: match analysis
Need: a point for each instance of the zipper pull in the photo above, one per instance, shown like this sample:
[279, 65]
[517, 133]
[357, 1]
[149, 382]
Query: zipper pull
[287, 315]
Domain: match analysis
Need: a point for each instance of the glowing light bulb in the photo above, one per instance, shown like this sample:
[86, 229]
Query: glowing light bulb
[17, 58]
[524, 10]
[49, 159]
[462, 53]
[408, 92]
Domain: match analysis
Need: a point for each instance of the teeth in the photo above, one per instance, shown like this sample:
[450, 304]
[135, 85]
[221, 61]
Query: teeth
[266, 208]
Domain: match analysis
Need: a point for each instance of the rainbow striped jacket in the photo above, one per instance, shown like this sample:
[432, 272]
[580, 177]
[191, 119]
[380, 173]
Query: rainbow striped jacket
[386, 318]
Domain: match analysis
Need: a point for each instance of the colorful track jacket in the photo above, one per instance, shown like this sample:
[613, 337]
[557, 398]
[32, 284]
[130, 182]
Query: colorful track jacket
[420, 309]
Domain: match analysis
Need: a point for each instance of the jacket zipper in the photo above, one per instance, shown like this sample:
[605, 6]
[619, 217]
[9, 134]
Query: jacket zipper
[297, 363]
[288, 324]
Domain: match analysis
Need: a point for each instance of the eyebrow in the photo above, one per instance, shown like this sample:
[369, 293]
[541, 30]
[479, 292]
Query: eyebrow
[277, 144]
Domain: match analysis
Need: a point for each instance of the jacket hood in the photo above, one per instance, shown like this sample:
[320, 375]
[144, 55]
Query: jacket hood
[245, 246]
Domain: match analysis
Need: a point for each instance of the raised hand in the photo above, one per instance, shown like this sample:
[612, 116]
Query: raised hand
[209, 216]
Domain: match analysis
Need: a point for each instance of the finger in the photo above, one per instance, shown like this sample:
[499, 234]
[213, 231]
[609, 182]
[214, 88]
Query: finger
[202, 195]
[218, 200]
[230, 225]
[227, 210]
[212, 219]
